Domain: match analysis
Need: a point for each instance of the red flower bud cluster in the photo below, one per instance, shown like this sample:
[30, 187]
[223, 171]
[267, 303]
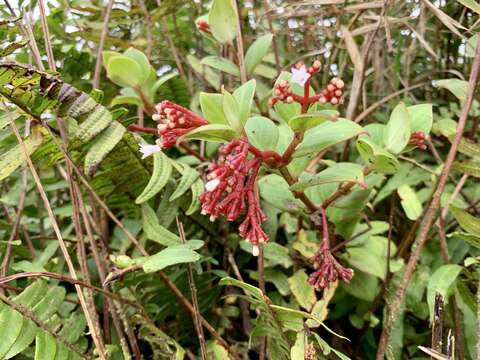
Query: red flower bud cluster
[418, 139]
[174, 121]
[203, 26]
[333, 92]
[327, 268]
[230, 191]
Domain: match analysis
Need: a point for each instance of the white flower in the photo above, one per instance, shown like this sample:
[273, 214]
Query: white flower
[212, 184]
[255, 250]
[300, 76]
[147, 150]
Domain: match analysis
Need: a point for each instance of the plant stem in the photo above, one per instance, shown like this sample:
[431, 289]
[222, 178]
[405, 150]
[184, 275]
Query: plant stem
[101, 44]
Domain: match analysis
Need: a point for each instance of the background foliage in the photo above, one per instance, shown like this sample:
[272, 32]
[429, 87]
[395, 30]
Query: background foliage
[119, 283]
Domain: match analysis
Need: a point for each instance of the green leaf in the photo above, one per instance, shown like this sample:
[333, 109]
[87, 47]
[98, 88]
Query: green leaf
[257, 51]
[339, 172]
[244, 96]
[124, 99]
[297, 352]
[221, 64]
[102, 145]
[197, 190]
[213, 132]
[262, 133]
[223, 21]
[410, 203]
[468, 238]
[247, 288]
[470, 167]
[471, 4]
[125, 71]
[142, 61]
[468, 222]
[189, 176]
[212, 108]
[158, 84]
[397, 131]
[421, 117]
[45, 346]
[304, 122]
[172, 255]
[162, 169]
[327, 134]
[467, 147]
[13, 158]
[275, 190]
[302, 290]
[107, 56]
[442, 281]
[472, 45]
[95, 122]
[231, 111]
[382, 160]
[154, 231]
[457, 87]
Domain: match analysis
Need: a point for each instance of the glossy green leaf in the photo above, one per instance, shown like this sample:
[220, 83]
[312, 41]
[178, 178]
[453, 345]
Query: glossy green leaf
[162, 169]
[469, 223]
[397, 131]
[154, 231]
[223, 21]
[212, 108]
[142, 61]
[172, 255]
[327, 134]
[123, 99]
[249, 289]
[162, 80]
[304, 122]
[125, 71]
[244, 96]
[275, 190]
[257, 51]
[102, 145]
[410, 203]
[421, 117]
[297, 352]
[231, 111]
[221, 64]
[381, 160]
[339, 172]
[204, 71]
[457, 87]
[442, 281]
[302, 290]
[213, 132]
[262, 133]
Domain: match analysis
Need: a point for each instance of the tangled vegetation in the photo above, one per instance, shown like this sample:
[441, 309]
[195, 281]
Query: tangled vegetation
[239, 179]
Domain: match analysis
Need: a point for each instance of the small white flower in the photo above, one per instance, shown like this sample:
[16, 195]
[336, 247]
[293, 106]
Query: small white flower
[212, 184]
[147, 150]
[300, 76]
[255, 250]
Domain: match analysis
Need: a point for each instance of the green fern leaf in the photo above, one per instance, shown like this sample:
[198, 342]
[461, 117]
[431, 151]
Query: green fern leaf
[162, 169]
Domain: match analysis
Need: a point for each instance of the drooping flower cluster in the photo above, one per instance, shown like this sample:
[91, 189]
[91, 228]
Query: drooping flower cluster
[174, 121]
[418, 138]
[327, 268]
[302, 75]
[230, 191]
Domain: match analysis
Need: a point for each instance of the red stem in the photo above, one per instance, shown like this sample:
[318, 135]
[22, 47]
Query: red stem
[138, 128]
